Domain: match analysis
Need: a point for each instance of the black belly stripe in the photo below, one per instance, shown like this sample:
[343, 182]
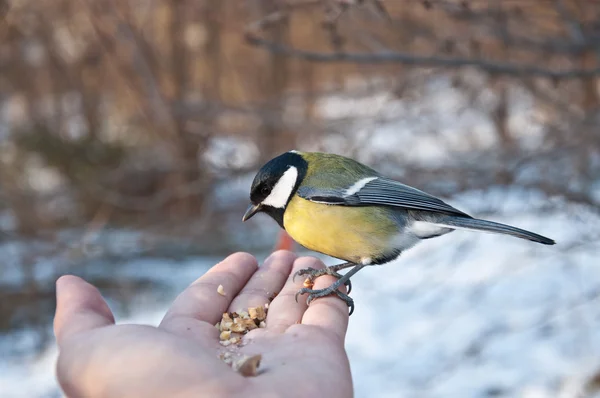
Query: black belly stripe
[386, 258]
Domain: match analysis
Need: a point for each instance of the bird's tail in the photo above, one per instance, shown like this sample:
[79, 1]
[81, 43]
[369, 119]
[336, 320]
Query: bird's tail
[457, 222]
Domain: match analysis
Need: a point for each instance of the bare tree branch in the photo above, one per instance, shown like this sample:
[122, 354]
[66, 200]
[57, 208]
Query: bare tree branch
[411, 59]
[254, 35]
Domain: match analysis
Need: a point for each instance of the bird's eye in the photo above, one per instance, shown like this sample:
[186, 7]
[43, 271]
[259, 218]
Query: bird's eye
[264, 190]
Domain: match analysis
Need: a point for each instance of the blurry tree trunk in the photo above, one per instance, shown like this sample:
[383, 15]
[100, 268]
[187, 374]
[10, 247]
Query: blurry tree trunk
[19, 199]
[274, 83]
[186, 146]
[310, 90]
[89, 79]
[591, 109]
[23, 75]
[500, 117]
[591, 100]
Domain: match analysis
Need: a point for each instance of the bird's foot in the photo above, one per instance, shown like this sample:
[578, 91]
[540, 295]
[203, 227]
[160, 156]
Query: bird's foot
[333, 289]
[313, 274]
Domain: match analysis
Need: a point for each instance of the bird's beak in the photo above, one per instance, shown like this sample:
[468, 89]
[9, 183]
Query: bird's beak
[252, 210]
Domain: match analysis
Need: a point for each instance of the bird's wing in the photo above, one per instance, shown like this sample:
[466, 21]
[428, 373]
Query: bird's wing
[379, 191]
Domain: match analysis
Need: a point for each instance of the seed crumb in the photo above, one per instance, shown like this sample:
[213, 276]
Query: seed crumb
[248, 366]
[221, 290]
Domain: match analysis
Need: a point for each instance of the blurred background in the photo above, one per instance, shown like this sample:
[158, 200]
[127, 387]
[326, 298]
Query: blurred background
[130, 132]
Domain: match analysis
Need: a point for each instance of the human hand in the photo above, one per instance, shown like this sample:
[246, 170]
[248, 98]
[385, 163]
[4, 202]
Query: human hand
[302, 348]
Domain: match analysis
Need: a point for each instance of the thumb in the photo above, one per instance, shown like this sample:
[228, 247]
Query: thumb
[79, 308]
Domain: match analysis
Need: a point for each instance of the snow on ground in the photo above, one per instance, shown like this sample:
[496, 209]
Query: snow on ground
[432, 126]
[480, 315]
[463, 315]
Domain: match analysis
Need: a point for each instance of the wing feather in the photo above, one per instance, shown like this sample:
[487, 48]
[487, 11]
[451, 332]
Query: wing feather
[382, 192]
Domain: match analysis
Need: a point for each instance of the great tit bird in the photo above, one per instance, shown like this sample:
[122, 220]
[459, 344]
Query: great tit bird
[340, 207]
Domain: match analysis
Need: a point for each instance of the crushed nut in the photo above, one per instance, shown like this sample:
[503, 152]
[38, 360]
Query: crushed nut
[221, 290]
[238, 326]
[257, 313]
[248, 366]
[234, 325]
[250, 324]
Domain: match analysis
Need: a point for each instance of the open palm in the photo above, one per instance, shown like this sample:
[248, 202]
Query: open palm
[302, 348]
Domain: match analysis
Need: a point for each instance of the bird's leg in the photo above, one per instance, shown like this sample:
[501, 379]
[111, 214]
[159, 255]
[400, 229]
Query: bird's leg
[332, 289]
[332, 270]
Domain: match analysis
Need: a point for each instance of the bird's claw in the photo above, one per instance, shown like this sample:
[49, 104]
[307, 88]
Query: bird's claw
[315, 273]
[314, 294]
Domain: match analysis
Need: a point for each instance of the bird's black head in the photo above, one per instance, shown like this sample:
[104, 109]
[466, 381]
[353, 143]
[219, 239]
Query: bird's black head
[274, 185]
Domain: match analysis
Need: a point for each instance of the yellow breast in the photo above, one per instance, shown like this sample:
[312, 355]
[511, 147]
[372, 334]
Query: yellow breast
[350, 233]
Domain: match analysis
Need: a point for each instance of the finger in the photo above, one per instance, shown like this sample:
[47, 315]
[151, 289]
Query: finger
[79, 308]
[329, 313]
[202, 300]
[284, 311]
[266, 282]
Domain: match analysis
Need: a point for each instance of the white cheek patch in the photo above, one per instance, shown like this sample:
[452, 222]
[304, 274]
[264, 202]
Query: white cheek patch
[358, 185]
[282, 190]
